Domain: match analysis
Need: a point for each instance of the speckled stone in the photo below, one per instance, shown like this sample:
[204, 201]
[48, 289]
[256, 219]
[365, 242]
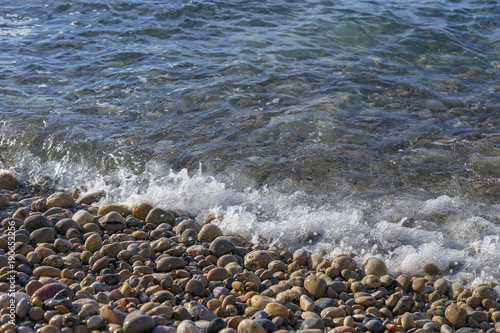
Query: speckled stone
[256, 260]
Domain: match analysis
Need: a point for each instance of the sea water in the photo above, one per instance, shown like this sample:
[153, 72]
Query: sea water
[359, 126]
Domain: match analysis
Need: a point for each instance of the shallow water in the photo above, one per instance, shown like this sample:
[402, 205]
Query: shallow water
[363, 126]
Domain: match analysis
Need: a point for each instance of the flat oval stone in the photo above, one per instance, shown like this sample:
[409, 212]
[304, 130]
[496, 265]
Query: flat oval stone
[47, 271]
[50, 290]
[275, 309]
[169, 263]
[100, 264]
[93, 243]
[111, 279]
[217, 274]
[43, 235]
[138, 322]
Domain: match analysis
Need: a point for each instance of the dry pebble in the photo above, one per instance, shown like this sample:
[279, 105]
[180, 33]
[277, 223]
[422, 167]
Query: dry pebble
[84, 268]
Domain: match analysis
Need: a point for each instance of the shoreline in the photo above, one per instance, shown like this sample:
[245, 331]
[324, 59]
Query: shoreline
[82, 268]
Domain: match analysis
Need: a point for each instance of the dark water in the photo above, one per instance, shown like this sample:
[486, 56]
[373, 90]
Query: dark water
[372, 125]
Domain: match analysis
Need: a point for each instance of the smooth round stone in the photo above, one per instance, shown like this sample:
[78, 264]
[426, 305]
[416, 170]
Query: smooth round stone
[35, 222]
[158, 216]
[407, 321]
[485, 292]
[312, 323]
[65, 224]
[418, 285]
[256, 260]
[7, 180]
[22, 308]
[111, 250]
[169, 263]
[301, 256]
[371, 281]
[48, 291]
[36, 313]
[73, 233]
[113, 222]
[217, 274]
[315, 285]
[375, 266]
[221, 246]
[333, 312]
[60, 199]
[95, 323]
[365, 300]
[456, 315]
[4, 201]
[83, 217]
[121, 209]
[137, 322]
[47, 271]
[13, 222]
[216, 325]
[188, 326]
[100, 264]
[375, 326]
[54, 261]
[195, 287]
[142, 210]
[275, 309]
[33, 286]
[209, 232]
[43, 235]
[250, 326]
[63, 245]
[93, 243]
[343, 262]
[186, 224]
[188, 237]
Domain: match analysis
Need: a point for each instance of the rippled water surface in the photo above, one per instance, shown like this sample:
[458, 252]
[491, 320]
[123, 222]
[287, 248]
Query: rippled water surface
[373, 125]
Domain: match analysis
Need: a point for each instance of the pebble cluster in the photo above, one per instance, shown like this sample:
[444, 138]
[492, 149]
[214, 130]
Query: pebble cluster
[82, 268]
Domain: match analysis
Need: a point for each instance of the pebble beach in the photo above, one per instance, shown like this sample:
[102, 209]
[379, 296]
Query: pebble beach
[69, 265]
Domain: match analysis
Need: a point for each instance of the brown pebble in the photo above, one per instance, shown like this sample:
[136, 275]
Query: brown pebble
[456, 315]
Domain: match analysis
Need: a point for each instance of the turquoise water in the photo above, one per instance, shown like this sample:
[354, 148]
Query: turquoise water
[360, 116]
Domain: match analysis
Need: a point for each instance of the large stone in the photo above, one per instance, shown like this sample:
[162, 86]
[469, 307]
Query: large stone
[7, 180]
[47, 271]
[121, 209]
[35, 222]
[209, 232]
[196, 287]
[375, 266]
[93, 243]
[138, 322]
[141, 210]
[65, 224]
[60, 199]
[43, 235]
[158, 216]
[83, 217]
[250, 326]
[485, 292]
[48, 291]
[256, 260]
[315, 285]
[221, 246]
[169, 263]
[112, 315]
[4, 201]
[112, 221]
[456, 315]
[58, 213]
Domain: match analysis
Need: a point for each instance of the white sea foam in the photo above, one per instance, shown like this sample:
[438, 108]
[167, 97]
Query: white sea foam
[460, 238]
